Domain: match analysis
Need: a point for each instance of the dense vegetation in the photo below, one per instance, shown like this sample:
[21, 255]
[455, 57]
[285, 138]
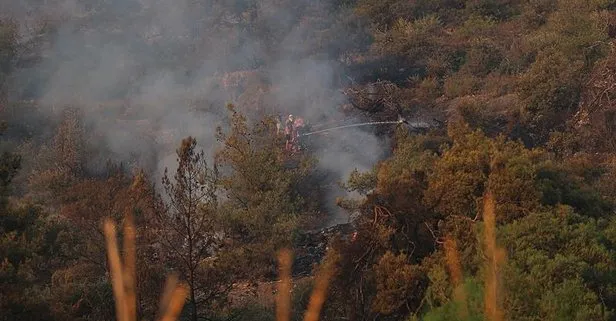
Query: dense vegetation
[524, 88]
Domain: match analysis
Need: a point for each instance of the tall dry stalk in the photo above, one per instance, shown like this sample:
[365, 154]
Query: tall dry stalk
[130, 253]
[455, 270]
[123, 278]
[283, 299]
[495, 259]
[177, 296]
[174, 296]
[117, 275]
[319, 293]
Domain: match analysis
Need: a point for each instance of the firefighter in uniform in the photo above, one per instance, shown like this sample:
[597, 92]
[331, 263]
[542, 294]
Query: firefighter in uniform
[289, 131]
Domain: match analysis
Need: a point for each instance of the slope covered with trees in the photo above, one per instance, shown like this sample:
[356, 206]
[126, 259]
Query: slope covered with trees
[504, 210]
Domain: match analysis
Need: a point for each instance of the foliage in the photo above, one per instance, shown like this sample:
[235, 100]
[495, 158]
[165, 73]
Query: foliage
[452, 309]
[395, 279]
[189, 227]
[475, 163]
[264, 191]
[524, 86]
[559, 279]
[29, 249]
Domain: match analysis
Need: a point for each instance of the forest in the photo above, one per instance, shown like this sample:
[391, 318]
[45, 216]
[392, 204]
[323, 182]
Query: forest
[159, 118]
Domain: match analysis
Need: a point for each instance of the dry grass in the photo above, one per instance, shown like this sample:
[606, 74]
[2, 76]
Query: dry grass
[319, 293]
[175, 293]
[495, 258]
[283, 298]
[317, 298]
[455, 269]
[123, 278]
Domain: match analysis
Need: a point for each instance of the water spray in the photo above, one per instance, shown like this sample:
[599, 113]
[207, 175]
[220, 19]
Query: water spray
[349, 126]
[397, 122]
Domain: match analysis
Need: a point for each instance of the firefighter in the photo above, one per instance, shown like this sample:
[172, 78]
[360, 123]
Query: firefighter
[354, 237]
[289, 131]
[299, 128]
[279, 129]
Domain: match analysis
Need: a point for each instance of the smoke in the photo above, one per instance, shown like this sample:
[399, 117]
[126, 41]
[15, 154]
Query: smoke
[146, 73]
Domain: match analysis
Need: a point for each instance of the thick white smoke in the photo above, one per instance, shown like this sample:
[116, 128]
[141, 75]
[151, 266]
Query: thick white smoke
[146, 72]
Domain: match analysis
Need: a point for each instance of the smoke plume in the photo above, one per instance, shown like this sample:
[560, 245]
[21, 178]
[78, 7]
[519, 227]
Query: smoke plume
[146, 73]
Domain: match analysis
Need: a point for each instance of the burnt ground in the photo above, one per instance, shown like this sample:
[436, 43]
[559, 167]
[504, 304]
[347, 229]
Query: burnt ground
[310, 250]
[311, 247]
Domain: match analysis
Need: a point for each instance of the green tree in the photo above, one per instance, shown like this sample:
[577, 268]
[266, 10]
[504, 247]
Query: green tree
[452, 310]
[560, 267]
[189, 226]
[567, 46]
[29, 252]
[265, 191]
[80, 288]
[394, 235]
[474, 163]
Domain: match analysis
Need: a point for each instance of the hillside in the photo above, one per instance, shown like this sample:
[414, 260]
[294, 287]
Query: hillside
[493, 200]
